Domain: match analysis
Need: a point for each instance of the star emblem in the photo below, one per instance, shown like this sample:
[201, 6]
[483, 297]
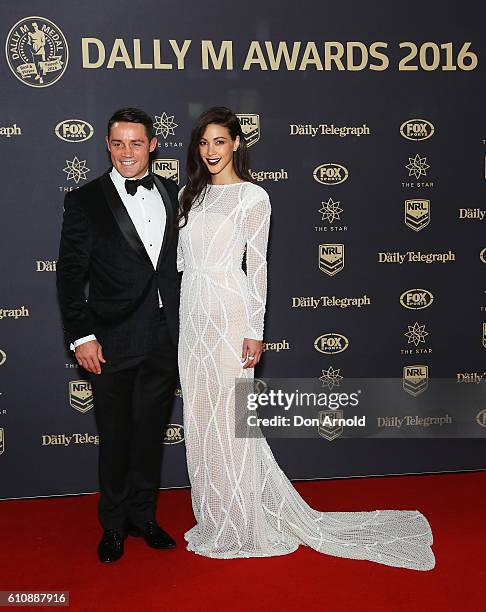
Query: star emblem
[330, 210]
[165, 125]
[76, 170]
[417, 166]
[416, 334]
[331, 377]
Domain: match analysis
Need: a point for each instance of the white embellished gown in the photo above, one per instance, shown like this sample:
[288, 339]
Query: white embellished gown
[243, 503]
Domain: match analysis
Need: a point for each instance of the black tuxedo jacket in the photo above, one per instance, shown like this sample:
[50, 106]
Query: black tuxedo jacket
[100, 245]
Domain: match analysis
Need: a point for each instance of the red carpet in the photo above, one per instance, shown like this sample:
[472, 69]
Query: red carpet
[51, 544]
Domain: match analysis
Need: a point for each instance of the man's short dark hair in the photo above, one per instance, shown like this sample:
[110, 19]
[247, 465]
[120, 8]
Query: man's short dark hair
[133, 115]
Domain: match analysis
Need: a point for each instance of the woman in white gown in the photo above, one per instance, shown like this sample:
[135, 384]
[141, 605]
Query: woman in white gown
[243, 503]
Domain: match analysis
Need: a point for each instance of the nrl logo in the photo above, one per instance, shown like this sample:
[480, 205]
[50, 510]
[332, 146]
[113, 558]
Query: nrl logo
[326, 429]
[37, 52]
[80, 395]
[174, 433]
[250, 126]
[166, 168]
[417, 214]
[415, 379]
[331, 258]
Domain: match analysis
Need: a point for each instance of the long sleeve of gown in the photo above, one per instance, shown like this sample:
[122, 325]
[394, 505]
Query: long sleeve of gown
[257, 230]
[180, 257]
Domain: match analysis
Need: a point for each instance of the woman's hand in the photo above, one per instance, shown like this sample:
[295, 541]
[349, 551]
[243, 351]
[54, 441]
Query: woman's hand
[251, 352]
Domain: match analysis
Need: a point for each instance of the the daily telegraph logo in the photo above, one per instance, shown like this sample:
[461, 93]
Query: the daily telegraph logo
[46, 265]
[36, 51]
[417, 214]
[250, 126]
[330, 174]
[174, 433]
[10, 130]
[415, 379]
[74, 130]
[326, 429]
[417, 129]
[80, 395]
[331, 343]
[416, 299]
[331, 258]
[166, 168]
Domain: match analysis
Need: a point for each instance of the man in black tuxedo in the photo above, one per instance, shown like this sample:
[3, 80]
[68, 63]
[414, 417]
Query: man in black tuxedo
[119, 235]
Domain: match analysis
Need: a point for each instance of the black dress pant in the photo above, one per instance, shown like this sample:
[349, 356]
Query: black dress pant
[133, 399]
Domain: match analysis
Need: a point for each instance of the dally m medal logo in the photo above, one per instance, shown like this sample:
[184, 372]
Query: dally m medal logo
[331, 258]
[415, 379]
[37, 51]
[417, 214]
[250, 126]
[166, 168]
[80, 395]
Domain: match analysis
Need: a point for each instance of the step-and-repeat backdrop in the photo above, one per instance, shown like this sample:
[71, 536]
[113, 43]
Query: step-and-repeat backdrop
[366, 125]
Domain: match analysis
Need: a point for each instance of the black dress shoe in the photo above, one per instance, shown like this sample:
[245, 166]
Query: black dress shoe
[110, 547]
[153, 534]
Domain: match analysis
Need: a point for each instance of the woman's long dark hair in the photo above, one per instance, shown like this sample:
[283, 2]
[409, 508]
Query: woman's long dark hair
[198, 176]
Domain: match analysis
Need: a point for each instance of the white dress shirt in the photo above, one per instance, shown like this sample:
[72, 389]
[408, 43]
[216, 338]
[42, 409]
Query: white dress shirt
[147, 212]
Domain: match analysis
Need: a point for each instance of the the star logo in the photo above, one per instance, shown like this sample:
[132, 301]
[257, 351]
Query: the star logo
[330, 378]
[165, 125]
[417, 166]
[76, 170]
[330, 210]
[416, 334]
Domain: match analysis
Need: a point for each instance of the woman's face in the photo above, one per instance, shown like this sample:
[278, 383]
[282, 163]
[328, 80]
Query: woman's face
[216, 149]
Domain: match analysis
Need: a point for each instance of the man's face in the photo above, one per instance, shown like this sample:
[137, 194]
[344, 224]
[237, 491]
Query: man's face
[130, 148]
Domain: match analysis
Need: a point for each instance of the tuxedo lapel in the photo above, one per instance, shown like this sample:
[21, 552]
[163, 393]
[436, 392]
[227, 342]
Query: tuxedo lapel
[169, 220]
[122, 217]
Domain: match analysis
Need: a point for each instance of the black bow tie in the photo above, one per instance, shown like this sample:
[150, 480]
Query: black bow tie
[132, 185]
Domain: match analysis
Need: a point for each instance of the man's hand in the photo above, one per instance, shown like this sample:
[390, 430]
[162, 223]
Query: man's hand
[89, 355]
[251, 353]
